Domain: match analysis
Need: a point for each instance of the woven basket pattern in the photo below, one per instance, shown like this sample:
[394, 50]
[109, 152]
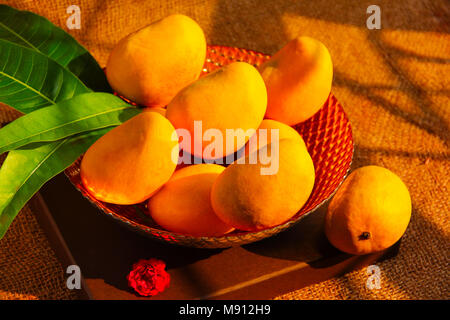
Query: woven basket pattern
[328, 137]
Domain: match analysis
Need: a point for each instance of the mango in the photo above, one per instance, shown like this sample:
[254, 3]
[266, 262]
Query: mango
[151, 65]
[263, 135]
[231, 98]
[248, 200]
[183, 204]
[298, 80]
[132, 161]
[370, 211]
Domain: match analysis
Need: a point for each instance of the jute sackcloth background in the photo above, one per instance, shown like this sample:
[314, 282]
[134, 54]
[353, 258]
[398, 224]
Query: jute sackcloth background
[393, 83]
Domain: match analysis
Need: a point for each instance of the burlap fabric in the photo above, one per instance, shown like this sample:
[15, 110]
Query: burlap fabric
[394, 84]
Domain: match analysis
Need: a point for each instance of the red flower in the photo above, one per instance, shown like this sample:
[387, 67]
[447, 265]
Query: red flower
[148, 277]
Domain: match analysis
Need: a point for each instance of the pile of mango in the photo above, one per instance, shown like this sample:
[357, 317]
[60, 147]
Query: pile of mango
[158, 67]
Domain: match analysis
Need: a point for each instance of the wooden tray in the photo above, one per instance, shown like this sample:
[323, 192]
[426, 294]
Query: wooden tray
[106, 251]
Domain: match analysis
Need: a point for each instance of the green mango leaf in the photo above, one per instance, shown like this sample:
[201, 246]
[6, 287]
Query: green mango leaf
[29, 80]
[82, 113]
[39, 34]
[26, 170]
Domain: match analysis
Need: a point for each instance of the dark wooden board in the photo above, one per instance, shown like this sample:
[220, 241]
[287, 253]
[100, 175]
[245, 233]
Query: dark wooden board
[106, 251]
[57, 242]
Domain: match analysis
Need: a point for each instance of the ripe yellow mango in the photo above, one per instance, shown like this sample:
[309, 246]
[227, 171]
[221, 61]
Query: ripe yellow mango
[370, 211]
[151, 65]
[183, 204]
[233, 97]
[298, 80]
[132, 161]
[247, 200]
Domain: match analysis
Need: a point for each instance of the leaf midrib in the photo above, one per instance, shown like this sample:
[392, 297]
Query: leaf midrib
[68, 123]
[20, 37]
[32, 47]
[38, 166]
[28, 87]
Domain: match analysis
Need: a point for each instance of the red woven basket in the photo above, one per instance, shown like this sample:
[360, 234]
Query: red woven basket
[327, 135]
